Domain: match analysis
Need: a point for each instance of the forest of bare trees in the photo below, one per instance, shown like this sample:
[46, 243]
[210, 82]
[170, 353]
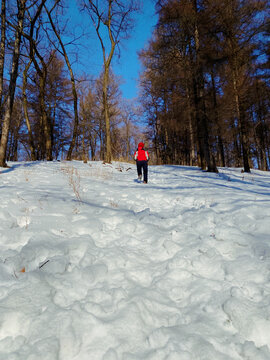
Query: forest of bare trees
[205, 85]
[205, 90]
[47, 111]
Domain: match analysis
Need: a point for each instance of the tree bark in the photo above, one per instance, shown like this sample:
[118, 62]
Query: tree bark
[2, 50]
[12, 84]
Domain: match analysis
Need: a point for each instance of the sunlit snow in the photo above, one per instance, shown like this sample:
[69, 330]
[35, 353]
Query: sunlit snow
[96, 266]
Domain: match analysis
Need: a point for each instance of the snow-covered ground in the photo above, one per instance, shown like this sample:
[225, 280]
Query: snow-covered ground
[94, 265]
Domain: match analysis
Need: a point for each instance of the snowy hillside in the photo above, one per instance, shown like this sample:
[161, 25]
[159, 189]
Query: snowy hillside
[94, 265]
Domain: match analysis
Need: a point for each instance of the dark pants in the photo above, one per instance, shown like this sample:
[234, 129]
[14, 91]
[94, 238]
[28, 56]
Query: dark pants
[142, 164]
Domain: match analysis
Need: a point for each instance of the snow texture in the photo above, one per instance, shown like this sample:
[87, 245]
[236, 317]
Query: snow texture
[94, 265]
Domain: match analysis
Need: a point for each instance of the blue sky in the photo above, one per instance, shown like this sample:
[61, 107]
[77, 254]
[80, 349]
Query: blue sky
[128, 66]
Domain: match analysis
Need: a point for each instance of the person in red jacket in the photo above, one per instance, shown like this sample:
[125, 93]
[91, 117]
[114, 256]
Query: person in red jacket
[141, 156]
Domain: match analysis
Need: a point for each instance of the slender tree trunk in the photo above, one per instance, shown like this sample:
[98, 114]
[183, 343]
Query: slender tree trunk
[242, 125]
[52, 123]
[101, 141]
[12, 84]
[192, 156]
[26, 115]
[74, 91]
[42, 83]
[242, 128]
[157, 134]
[2, 50]
[236, 146]
[220, 141]
[93, 148]
[202, 126]
[84, 147]
[45, 120]
[206, 159]
[263, 155]
[261, 135]
[14, 138]
[106, 114]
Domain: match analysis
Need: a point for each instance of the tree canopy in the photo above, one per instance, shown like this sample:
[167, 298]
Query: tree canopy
[204, 85]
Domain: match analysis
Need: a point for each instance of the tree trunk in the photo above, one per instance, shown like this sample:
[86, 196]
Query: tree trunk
[108, 156]
[202, 126]
[236, 147]
[12, 84]
[206, 159]
[260, 132]
[192, 156]
[262, 150]
[241, 124]
[42, 72]
[25, 107]
[2, 50]
[84, 148]
[220, 141]
[45, 120]
[92, 145]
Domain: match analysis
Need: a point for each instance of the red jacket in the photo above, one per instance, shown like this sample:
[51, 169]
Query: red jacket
[141, 154]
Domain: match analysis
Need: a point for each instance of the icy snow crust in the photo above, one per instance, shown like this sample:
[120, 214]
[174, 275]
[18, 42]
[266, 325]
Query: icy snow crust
[94, 265]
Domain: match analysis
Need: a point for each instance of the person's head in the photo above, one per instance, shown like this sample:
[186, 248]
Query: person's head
[141, 145]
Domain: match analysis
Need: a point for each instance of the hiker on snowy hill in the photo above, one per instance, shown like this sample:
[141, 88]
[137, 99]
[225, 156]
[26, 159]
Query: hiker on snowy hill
[141, 156]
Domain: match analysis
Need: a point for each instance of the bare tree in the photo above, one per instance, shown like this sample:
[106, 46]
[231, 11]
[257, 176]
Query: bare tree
[72, 78]
[12, 83]
[112, 22]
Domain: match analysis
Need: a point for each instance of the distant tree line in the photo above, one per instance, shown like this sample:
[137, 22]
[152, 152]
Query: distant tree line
[205, 85]
[204, 88]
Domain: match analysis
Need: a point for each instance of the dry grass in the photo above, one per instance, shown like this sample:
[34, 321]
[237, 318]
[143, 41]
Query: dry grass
[27, 175]
[105, 172]
[114, 204]
[74, 180]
